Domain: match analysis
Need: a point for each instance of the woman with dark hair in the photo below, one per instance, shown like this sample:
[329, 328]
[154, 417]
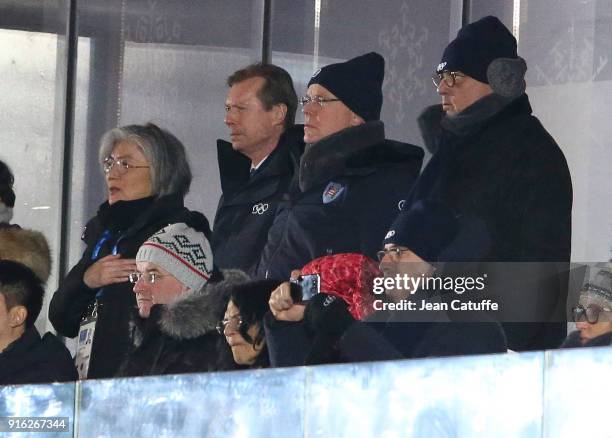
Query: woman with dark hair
[242, 324]
[147, 177]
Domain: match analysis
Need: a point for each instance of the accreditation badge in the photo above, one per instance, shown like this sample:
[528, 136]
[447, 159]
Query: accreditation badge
[85, 341]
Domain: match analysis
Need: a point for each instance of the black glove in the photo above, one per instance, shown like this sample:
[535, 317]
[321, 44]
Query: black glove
[327, 314]
[328, 318]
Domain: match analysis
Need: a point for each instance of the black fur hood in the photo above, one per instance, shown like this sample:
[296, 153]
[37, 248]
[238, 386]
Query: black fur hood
[196, 314]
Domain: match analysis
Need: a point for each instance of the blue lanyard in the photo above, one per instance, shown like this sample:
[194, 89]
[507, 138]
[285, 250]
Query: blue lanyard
[106, 235]
[96, 252]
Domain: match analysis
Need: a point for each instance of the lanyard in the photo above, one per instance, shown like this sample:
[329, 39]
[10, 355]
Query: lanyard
[106, 236]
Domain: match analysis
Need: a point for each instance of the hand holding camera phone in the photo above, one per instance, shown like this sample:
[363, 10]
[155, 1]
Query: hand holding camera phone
[305, 287]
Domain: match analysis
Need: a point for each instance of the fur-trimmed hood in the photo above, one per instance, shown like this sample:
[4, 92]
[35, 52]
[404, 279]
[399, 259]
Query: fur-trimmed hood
[195, 314]
[357, 150]
[28, 247]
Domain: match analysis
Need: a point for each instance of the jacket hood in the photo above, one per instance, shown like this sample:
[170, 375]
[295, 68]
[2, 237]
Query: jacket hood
[28, 247]
[358, 150]
[195, 314]
[234, 167]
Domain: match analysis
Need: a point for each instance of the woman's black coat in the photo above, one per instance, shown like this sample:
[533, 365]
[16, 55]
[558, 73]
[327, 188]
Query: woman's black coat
[130, 224]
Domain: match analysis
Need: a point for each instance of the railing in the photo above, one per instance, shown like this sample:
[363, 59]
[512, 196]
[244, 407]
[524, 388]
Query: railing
[541, 394]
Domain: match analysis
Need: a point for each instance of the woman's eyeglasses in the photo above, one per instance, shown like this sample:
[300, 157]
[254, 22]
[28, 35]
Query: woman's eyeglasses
[122, 165]
[589, 314]
[235, 321]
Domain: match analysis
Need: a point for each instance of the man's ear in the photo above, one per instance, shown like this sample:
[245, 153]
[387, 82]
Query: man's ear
[356, 120]
[17, 316]
[279, 113]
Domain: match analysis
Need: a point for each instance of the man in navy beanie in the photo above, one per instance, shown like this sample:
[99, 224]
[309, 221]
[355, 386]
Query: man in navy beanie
[494, 162]
[401, 326]
[350, 178]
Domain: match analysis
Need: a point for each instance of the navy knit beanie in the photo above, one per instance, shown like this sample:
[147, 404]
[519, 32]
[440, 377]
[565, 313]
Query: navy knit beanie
[356, 82]
[427, 228]
[476, 46]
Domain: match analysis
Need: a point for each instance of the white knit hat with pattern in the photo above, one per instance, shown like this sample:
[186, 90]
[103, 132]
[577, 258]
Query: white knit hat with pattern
[182, 251]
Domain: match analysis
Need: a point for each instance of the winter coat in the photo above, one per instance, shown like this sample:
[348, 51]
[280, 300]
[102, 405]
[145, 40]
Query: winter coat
[73, 299]
[181, 337]
[507, 172]
[343, 199]
[383, 336]
[27, 247]
[573, 341]
[246, 208]
[32, 359]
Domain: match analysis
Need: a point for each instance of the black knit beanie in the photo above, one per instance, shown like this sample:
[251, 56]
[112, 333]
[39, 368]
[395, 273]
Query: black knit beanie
[356, 82]
[476, 46]
[427, 228]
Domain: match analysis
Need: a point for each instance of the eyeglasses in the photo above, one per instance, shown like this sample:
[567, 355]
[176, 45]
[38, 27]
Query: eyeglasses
[321, 101]
[122, 165]
[590, 313]
[149, 277]
[236, 322]
[394, 252]
[449, 78]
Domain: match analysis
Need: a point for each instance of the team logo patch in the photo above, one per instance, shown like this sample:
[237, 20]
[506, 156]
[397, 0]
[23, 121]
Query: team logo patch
[260, 208]
[332, 191]
[391, 233]
[441, 67]
[401, 205]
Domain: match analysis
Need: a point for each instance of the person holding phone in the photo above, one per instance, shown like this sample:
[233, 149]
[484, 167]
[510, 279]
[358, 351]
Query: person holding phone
[417, 240]
[308, 314]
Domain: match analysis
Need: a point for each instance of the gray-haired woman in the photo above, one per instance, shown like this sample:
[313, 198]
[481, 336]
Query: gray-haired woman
[147, 177]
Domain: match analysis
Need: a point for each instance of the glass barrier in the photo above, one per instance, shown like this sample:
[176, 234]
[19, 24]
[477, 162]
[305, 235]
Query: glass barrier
[506, 395]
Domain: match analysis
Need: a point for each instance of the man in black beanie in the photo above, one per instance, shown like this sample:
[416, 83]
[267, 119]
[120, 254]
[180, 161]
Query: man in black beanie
[350, 178]
[416, 242]
[494, 162]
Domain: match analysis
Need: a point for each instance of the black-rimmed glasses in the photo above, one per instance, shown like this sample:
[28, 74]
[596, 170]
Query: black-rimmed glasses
[589, 313]
[449, 78]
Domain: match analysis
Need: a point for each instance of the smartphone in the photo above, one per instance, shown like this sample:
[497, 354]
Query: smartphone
[308, 285]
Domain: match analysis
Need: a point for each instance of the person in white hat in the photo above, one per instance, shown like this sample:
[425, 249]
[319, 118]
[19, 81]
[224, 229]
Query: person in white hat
[178, 294]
